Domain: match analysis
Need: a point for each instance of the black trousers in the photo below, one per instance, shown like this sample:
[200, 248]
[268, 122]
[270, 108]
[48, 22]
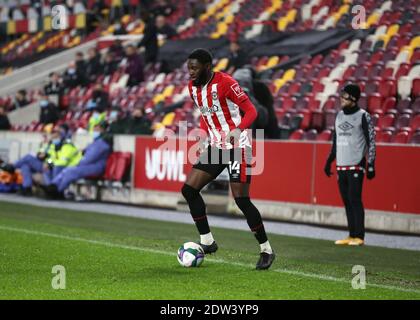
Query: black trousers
[350, 183]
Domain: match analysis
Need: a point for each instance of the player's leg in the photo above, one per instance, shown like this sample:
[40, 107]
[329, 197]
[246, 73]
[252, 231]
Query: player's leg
[196, 180]
[343, 186]
[358, 211]
[240, 192]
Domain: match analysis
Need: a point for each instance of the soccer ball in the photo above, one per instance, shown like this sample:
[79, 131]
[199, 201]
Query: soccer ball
[190, 254]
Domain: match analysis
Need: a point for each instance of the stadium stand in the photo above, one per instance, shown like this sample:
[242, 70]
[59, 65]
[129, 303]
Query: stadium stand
[384, 61]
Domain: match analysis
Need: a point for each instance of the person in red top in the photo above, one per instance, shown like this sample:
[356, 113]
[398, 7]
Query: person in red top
[220, 100]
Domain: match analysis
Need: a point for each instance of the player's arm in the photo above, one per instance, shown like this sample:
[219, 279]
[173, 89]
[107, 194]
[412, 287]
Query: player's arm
[239, 97]
[331, 156]
[369, 133]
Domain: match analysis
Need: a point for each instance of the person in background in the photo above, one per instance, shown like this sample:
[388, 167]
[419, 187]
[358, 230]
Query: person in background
[110, 64]
[93, 163]
[49, 112]
[30, 164]
[80, 65]
[134, 67]
[149, 40]
[99, 99]
[54, 89]
[354, 151]
[117, 50]
[137, 122]
[63, 153]
[93, 65]
[116, 121]
[98, 116]
[4, 119]
[21, 99]
[164, 29]
[237, 57]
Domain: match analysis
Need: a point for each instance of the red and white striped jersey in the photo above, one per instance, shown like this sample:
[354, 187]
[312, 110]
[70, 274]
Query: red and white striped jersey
[218, 102]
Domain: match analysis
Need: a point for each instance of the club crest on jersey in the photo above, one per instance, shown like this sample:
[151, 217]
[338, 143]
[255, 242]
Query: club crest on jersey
[237, 89]
[214, 95]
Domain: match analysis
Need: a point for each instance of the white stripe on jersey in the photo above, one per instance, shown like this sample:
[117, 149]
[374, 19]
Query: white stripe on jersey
[234, 112]
[219, 114]
[216, 133]
[195, 98]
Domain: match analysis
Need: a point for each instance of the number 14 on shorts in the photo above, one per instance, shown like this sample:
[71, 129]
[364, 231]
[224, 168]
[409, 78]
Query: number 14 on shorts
[234, 166]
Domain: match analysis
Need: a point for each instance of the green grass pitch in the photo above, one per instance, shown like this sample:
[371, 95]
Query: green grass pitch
[114, 257]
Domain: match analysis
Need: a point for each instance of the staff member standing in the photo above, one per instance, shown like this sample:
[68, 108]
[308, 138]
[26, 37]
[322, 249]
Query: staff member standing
[353, 142]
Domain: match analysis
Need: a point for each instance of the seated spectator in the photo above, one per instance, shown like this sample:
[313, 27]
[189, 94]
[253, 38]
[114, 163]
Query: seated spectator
[92, 164]
[74, 76]
[80, 65]
[55, 88]
[137, 122]
[31, 164]
[164, 29]
[4, 119]
[20, 100]
[99, 99]
[134, 67]
[49, 112]
[63, 153]
[237, 57]
[116, 121]
[110, 65]
[93, 65]
[117, 50]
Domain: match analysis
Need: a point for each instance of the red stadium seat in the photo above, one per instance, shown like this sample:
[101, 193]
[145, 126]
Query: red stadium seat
[389, 103]
[374, 102]
[325, 135]
[384, 136]
[415, 122]
[386, 121]
[297, 135]
[415, 91]
[400, 137]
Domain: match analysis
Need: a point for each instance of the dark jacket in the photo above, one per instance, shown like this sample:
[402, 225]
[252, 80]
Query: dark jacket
[135, 69]
[54, 88]
[49, 114]
[140, 125]
[237, 60]
[109, 68]
[4, 123]
[93, 67]
[150, 42]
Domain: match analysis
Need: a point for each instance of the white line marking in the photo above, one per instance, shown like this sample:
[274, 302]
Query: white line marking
[239, 264]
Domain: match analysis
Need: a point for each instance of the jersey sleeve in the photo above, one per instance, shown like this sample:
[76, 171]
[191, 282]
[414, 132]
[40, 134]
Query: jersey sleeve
[234, 92]
[237, 95]
[369, 133]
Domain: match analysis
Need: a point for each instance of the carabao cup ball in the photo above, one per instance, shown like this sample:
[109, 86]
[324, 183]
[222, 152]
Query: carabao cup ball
[190, 254]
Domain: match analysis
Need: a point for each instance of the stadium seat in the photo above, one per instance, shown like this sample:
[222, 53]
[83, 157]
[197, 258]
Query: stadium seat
[297, 135]
[400, 137]
[384, 136]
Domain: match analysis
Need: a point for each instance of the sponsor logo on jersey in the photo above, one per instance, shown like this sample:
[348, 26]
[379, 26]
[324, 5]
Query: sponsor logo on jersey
[237, 89]
[345, 126]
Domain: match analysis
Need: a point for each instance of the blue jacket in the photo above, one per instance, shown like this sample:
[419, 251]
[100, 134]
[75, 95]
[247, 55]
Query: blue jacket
[96, 153]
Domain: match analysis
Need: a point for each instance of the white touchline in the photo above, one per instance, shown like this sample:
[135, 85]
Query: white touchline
[122, 246]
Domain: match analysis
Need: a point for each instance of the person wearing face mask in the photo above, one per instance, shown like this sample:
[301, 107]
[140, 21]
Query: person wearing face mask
[63, 154]
[49, 112]
[354, 151]
[137, 122]
[116, 121]
[92, 163]
[31, 164]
